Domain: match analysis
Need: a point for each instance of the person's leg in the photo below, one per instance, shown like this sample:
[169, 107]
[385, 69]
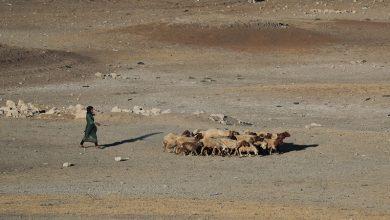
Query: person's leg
[97, 145]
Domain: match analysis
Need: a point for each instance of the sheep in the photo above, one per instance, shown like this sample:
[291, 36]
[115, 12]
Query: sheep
[211, 144]
[244, 146]
[264, 134]
[250, 132]
[229, 146]
[187, 133]
[216, 133]
[188, 144]
[275, 141]
[189, 147]
[251, 138]
[169, 142]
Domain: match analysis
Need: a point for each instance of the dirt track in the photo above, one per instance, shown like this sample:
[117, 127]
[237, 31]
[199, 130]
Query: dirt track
[280, 68]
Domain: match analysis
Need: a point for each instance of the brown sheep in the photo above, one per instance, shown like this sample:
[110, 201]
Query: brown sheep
[244, 146]
[249, 138]
[275, 141]
[212, 145]
[188, 144]
[229, 146]
[249, 132]
[264, 134]
[169, 142]
[187, 133]
[216, 133]
[189, 147]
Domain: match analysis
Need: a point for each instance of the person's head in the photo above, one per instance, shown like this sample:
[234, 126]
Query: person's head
[90, 109]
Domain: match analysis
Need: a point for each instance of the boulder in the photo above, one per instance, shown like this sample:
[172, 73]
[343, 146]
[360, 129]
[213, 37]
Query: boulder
[10, 104]
[77, 111]
[99, 75]
[52, 111]
[116, 109]
[138, 110]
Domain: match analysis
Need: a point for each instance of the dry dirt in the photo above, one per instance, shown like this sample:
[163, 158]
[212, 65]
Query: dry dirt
[280, 65]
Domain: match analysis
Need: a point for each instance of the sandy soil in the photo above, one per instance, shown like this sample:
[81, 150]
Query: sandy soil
[280, 65]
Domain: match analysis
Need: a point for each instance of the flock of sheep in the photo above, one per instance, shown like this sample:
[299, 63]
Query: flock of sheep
[223, 142]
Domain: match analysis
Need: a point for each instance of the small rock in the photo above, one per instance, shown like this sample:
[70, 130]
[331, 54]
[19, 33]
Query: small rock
[118, 159]
[99, 75]
[313, 125]
[114, 75]
[10, 104]
[217, 117]
[198, 112]
[167, 111]
[116, 109]
[215, 194]
[138, 110]
[67, 164]
[77, 111]
[52, 111]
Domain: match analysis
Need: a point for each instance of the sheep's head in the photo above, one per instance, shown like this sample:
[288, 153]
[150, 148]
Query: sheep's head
[232, 135]
[187, 133]
[198, 136]
[284, 135]
[249, 132]
[263, 145]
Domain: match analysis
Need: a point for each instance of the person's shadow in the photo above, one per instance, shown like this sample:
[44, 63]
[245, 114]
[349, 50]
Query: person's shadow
[288, 147]
[142, 137]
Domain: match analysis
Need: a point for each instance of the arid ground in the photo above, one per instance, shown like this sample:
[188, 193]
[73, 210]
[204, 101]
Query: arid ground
[280, 65]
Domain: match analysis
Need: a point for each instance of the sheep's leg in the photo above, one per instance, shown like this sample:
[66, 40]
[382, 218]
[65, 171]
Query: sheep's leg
[202, 151]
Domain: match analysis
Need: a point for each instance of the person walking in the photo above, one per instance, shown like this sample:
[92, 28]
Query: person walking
[90, 128]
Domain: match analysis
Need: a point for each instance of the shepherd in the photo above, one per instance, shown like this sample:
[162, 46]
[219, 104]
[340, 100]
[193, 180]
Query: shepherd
[90, 129]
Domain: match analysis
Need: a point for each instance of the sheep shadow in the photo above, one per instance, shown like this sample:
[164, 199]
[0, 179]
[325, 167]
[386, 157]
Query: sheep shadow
[142, 137]
[288, 147]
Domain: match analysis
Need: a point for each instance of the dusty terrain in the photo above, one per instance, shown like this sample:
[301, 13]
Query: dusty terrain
[280, 65]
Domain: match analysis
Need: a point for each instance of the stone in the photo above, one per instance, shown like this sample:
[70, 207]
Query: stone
[77, 111]
[10, 104]
[217, 117]
[138, 110]
[118, 159]
[67, 164]
[198, 112]
[52, 111]
[227, 120]
[12, 113]
[116, 109]
[114, 75]
[313, 125]
[167, 111]
[99, 75]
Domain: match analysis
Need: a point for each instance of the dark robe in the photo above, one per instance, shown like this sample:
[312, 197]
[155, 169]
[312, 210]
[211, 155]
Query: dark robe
[90, 129]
